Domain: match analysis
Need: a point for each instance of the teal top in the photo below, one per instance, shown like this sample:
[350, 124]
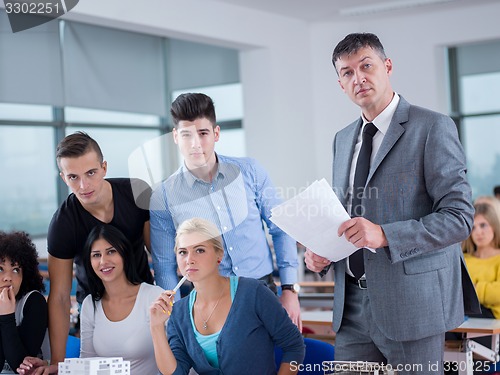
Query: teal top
[208, 342]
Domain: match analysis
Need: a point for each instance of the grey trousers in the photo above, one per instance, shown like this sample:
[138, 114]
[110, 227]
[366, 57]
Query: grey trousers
[359, 339]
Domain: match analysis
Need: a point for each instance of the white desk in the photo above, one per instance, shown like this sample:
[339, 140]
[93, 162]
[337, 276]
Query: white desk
[319, 321]
[317, 317]
[317, 294]
[463, 356]
[316, 300]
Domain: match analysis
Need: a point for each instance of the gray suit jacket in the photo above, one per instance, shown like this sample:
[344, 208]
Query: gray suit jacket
[417, 191]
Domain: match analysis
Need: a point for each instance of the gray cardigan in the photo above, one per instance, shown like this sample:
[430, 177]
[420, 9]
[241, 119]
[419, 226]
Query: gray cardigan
[256, 323]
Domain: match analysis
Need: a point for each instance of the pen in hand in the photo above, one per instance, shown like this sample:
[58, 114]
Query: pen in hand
[181, 281]
[172, 292]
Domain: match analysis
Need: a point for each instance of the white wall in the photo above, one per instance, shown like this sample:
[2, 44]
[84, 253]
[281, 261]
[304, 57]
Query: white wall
[416, 45]
[275, 69]
[292, 102]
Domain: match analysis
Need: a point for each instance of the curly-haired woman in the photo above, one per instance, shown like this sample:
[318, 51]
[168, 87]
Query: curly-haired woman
[23, 309]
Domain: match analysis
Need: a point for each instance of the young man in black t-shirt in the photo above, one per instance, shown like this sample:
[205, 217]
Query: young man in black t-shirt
[121, 202]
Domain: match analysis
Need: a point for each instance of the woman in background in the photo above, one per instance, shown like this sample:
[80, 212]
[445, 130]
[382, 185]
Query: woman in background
[482, 256]
[226, 325]
[23, 309]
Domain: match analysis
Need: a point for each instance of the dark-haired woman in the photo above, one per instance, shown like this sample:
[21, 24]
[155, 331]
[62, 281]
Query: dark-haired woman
[23, 309]
[115, 316]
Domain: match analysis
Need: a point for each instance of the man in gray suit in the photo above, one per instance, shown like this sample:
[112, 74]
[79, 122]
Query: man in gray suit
[413, 207]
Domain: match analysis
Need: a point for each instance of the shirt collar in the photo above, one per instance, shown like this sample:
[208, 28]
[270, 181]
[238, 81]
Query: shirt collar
[191, 178]
[383, 120]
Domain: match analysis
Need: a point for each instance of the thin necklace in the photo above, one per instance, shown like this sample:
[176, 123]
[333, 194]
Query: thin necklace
[205, 321]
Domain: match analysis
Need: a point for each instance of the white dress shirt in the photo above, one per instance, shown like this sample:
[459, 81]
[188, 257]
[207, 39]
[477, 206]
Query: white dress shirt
[381, 122]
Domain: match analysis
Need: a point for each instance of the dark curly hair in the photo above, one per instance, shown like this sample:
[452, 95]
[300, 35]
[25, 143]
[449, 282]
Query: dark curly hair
[19, 249]
[118, 240]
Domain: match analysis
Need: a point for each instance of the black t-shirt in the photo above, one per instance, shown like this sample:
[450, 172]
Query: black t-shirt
[16, 342]
[71, 225]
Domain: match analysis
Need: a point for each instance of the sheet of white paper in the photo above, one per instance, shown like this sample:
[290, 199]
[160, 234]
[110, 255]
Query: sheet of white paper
[312, 218]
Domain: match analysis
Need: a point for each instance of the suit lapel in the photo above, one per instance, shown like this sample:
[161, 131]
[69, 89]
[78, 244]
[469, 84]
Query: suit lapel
[345, 143]
[394, 132]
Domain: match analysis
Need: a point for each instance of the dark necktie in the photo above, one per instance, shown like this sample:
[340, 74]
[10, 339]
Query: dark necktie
[356, 263]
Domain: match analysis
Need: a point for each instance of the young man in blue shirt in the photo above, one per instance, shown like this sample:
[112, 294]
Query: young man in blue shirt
[236, 194]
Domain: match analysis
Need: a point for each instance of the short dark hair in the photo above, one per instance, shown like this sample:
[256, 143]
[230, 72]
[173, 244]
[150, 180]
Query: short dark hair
[20, 249]
[118, 240]
[76, 145]
[352, 43]
[496, 190]
[192, 106]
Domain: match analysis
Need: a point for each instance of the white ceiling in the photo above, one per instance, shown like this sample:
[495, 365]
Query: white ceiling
[336, 10]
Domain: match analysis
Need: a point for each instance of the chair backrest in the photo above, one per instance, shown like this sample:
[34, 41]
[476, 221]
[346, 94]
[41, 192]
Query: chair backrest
[317, 352]
[19, 315]
[73, 347]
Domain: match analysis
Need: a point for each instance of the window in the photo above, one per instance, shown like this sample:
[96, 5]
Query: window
[475, 77]
[113, 84]
[118, 146]
[99, 116]
[24, 112]
[28, 192]
[228, 102]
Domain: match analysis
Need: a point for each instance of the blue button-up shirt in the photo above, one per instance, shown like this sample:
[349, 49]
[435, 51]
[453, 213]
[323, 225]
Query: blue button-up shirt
[238, 200]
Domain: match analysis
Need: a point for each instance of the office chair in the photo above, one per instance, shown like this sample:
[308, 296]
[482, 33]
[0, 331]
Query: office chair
[73, 347]
[317, 351]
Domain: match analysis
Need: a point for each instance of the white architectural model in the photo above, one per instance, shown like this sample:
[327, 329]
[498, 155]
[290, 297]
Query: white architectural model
[94, 366]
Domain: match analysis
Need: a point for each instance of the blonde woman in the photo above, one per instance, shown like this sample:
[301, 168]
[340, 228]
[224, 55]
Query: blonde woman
[226, 325]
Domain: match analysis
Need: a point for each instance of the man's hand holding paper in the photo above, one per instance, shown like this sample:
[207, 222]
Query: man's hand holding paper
[313, 218]
[315, 262]
[363, 233]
